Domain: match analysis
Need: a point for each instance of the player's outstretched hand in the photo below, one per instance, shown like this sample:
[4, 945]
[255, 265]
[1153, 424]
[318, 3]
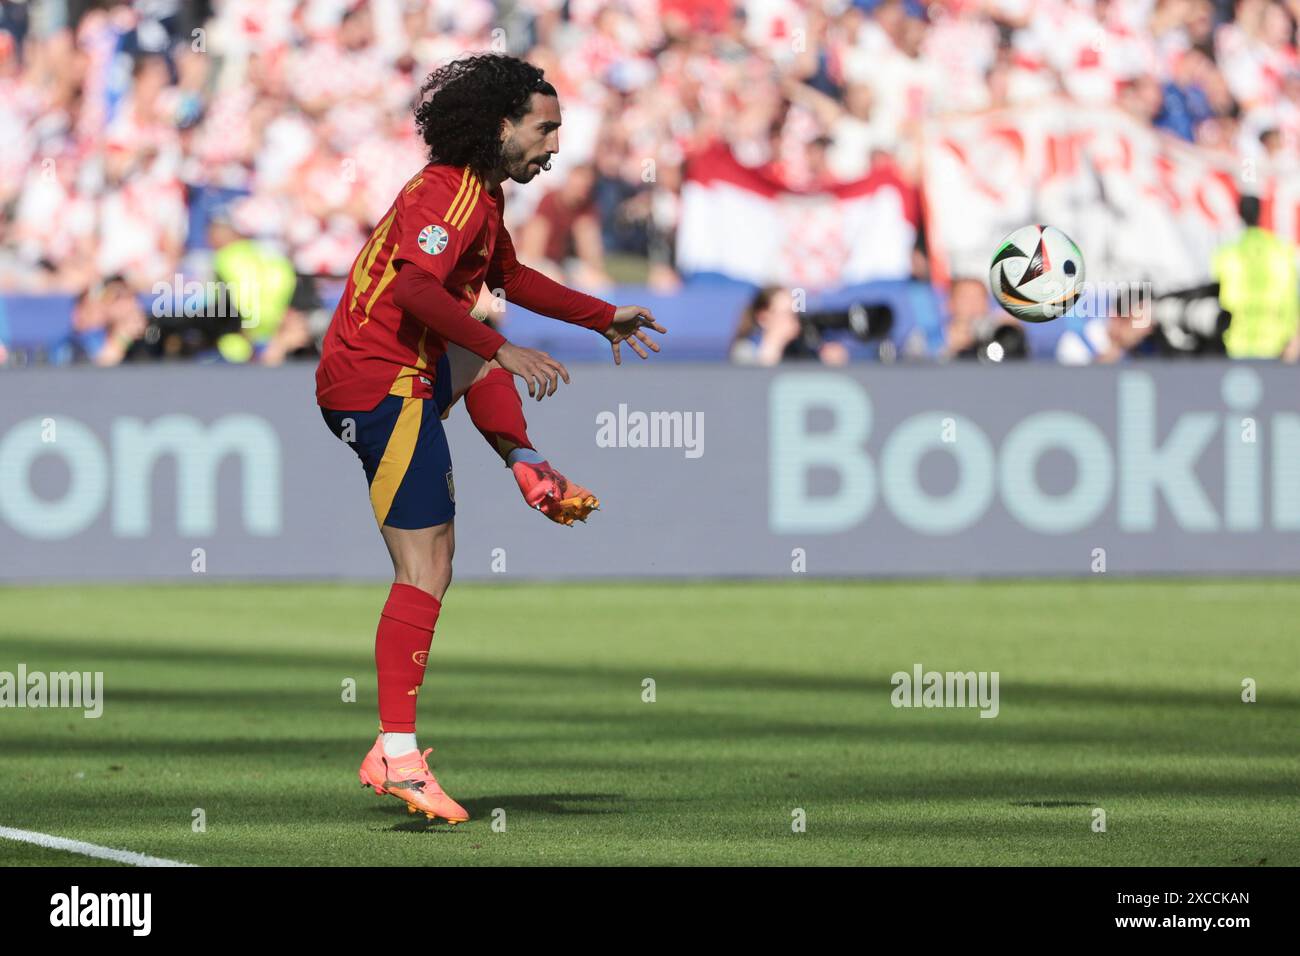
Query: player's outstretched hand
[539, 371]
[629, 325]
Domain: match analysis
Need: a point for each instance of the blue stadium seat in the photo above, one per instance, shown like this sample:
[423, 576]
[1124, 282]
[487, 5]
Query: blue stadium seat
[36, 322]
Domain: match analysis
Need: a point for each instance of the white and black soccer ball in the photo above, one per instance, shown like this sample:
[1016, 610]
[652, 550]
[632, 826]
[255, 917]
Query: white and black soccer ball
[1037, 273]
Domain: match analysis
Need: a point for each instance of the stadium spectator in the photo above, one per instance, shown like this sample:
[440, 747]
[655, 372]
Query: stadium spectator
[1256, 48]
[1185, 105]
[562, 239]
[852, 133]
[1141, 98]
[137, 217]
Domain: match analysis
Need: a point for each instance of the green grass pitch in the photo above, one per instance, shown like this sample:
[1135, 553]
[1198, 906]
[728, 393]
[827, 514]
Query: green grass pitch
[769, 697]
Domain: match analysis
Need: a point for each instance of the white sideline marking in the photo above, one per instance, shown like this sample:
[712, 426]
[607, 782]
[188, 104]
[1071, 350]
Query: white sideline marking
[86, 849]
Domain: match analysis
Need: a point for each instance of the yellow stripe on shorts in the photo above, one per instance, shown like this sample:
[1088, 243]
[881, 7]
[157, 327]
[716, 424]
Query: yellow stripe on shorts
[397, 458]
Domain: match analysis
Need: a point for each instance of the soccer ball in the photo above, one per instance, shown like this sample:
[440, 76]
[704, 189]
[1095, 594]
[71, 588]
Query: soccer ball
[1037, 273]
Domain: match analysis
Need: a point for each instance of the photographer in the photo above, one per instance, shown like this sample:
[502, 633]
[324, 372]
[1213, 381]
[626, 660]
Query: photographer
[1186, 323]
[975, 331]
[109, 327]
[770, 331]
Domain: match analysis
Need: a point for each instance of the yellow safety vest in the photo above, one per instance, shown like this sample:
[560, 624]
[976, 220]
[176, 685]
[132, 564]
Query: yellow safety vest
[1258, 285]
[263, 282]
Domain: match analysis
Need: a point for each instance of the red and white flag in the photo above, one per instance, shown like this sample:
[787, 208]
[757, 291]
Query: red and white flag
[748, 224]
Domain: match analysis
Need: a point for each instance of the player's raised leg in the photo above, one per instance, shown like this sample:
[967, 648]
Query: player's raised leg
[496, 409]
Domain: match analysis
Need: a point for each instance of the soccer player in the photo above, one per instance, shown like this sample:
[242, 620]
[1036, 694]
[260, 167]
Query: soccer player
[404, 346]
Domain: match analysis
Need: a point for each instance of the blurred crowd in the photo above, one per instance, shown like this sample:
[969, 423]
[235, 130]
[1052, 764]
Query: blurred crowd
[140, 139]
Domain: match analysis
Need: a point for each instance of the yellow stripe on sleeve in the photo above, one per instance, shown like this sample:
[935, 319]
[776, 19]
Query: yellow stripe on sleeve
[472, 201]
[460, 194]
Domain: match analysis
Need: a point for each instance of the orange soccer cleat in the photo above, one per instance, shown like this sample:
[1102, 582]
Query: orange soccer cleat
[555, 496]
[408, 778]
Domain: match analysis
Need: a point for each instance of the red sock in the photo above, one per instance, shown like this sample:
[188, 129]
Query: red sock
[497, 411]
[401, 652]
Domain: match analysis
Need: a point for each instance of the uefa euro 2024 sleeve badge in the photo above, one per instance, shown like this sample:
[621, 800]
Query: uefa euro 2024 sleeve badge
[433, 239]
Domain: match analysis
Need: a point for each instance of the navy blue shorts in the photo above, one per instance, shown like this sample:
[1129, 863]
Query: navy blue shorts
[404, 453]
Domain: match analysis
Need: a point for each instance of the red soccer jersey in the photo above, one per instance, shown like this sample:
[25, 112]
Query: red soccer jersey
[447, 222]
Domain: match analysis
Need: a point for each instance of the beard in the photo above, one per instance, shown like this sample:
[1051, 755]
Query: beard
[517, 166]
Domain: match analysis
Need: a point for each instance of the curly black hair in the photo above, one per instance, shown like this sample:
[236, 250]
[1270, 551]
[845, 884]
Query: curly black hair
[462, 104]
